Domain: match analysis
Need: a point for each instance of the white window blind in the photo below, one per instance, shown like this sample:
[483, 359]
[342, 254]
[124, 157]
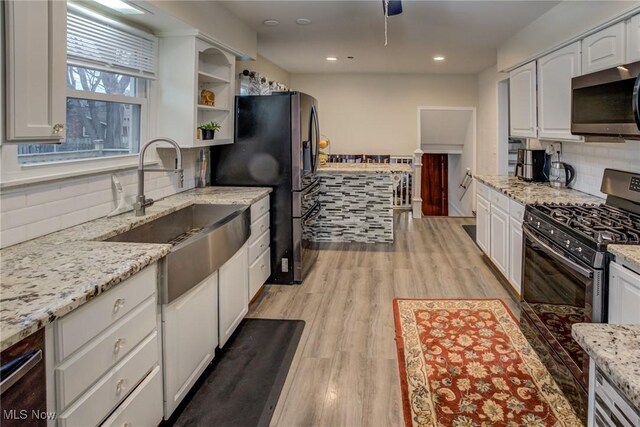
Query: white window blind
[95, 41]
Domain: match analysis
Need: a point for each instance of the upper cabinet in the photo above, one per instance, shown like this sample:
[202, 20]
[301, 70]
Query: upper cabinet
[633, 39]
[35, 64]
[522, 101]
[555, 72]
[190, 65]
[604, 49]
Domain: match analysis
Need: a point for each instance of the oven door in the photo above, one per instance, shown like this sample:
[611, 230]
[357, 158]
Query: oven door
[558, 292]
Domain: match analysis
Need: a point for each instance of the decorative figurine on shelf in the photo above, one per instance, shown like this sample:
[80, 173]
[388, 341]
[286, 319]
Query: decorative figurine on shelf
[207, 97]
[208, 130]
[325, 150]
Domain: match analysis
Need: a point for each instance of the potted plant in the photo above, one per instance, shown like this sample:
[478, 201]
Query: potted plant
[208, 130]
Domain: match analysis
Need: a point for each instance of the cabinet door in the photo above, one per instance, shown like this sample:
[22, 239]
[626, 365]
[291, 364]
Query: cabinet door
[483, 224]
[522, 101]
[604, 49]
[190, 326]
[500, 239]
[36, 61]
[515, 254]
[555, 72]
[633, 39]
[233, 294]
[624, 295]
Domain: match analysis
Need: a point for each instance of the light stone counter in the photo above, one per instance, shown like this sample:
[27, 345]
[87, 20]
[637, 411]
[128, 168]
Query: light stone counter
[616, 351]
[48, 277]
[628, 255]
[528, 193]
[364, 168]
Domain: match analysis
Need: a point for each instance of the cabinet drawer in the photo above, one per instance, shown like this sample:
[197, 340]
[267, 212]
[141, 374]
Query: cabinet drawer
[143, 407]
[258, 246]
[483, 190]
[516, 210]
[258, 227]
[99, 401]
[500, 200]
[77, 373]
[259, 272]
[259, 208]
[77, 328]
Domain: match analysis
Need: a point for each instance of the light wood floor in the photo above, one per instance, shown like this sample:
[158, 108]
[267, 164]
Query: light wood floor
[345, 372]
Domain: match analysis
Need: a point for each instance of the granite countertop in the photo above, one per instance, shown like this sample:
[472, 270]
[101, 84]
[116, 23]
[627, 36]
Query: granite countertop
[532, 192]
[45, 278]
[364, 168]
[628, 255]
[616, 351]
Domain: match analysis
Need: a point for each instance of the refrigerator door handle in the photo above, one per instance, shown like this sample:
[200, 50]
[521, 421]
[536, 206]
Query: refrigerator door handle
[315, 151]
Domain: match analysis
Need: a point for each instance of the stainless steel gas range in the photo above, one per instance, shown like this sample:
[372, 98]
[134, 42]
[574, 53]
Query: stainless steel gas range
[565, 271]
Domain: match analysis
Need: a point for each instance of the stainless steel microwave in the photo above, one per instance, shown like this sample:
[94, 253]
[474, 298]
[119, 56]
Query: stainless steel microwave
[605, 103]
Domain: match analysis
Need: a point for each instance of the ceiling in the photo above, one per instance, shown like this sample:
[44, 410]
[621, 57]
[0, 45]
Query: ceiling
[467, 33]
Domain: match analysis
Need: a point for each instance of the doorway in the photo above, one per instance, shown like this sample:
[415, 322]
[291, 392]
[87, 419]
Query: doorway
[435, 184]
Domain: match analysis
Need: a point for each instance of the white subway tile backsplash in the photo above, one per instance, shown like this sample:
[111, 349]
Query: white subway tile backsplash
[40, 209]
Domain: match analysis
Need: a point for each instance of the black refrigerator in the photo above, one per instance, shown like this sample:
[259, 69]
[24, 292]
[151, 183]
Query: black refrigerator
[277, 145]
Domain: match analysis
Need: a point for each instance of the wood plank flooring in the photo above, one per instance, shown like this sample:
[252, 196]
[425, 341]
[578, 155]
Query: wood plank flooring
[345, 372]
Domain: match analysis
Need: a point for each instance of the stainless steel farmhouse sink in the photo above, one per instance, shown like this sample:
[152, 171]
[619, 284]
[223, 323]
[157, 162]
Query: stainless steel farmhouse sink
[204, 237]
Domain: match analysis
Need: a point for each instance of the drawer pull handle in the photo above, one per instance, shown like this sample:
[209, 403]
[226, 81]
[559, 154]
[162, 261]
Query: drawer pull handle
[262, 227]
[262, 266]
[119, 304]
[120, 342]
[120, 385]
[261, 245]
[126, 425]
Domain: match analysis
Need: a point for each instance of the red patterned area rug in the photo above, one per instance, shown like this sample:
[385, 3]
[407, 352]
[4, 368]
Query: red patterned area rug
[465, 363]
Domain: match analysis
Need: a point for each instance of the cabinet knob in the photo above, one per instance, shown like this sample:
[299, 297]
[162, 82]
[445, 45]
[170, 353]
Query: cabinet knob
[120, 342]
[126, 425]
[118, 304]
[262, 266]
[120, 385]
[57, 128]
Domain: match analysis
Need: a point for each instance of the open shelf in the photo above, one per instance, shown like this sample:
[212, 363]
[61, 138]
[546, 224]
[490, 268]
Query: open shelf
[212, 108]
[204, 77]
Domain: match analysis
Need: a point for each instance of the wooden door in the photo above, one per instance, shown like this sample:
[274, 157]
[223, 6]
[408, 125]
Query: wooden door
[435, 200]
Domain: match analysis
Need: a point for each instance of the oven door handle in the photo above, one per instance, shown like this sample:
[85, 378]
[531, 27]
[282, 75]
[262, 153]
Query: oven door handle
[636, 102]
[26, 362]
[558, 256]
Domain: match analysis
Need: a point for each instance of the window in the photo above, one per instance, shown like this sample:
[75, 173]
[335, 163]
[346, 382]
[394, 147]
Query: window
[109, 66]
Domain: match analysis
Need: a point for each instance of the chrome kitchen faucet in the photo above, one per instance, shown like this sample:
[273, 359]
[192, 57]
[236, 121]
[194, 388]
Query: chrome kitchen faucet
[141, 201]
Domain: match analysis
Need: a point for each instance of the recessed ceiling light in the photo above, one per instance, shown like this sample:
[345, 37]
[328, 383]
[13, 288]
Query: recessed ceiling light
[303, 21]
[271, 22]
[331, 58]
[438, 58]
[121, 7]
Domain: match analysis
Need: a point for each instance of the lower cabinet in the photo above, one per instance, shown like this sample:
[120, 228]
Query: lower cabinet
[259, 249]
[233, 294]
[190, 328]
[499, 242]
[483, 225]
[624, 295]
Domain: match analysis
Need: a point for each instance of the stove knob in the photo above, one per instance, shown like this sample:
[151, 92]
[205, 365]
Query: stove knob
[538, 224]
[552, 232]
[579, 250]
[567, 242]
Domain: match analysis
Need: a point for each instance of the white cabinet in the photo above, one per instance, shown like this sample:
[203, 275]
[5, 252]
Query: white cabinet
[624, 295]
[259, 249]
[482, 223]
[522, 102]
[555, 72]
[604, 49]
[633, 39]
[35, 64]
[190, 326]
[233, 294]
[189, 64]
[515, 254]
[499, 241]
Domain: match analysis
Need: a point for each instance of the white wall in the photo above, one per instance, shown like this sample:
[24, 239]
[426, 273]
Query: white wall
[32, 211]
[562, 24]
[377, 113]
[590, 161]
[461, 202]
[487, 136]
[266, 68]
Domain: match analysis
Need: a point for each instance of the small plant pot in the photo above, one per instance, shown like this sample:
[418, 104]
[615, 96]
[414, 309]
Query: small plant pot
[208, 134]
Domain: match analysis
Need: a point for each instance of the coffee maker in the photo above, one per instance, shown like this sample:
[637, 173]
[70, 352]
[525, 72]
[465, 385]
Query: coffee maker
[533, 165]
